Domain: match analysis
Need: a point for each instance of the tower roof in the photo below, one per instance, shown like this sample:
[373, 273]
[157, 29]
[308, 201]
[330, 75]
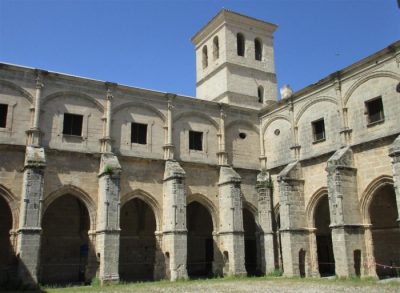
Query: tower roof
[229, 16]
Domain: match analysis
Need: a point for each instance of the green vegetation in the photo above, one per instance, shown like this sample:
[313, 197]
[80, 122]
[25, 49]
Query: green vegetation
[237, 284]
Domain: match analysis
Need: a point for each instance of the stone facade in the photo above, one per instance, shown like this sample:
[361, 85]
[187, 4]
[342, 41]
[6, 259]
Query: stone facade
[124, 183]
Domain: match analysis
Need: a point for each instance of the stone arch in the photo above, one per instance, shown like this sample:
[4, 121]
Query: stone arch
[252, 209]
[201, 245]
[208, 204]
[8, 259]
[142, 105]
[318, 219]
[243, 122]
[67, 251]
[148, 199]
[12, 202]
[138, 244]
[364, 79]
[92, 100]
[252, 245]
[380, 214]
[79, 194]
[369, 193]
[277, 117]
[17, 88]
[312, 204]
[313, 102]
[198, 114]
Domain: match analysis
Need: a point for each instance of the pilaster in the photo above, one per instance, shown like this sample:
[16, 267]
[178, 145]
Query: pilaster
[169, 146]
[264, 190]
[28, 234]
[108, 215]
[295, 244]
[34, 132]
[347, 231]
[174, 221]
[231, 234]
[394, 153]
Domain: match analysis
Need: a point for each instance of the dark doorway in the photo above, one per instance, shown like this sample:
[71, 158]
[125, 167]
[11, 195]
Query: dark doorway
[7, 259]
[200, 244]
[357, 262]
[326, 260]
[250, 243]
[65, 242]
[302, 263]
[137, 242]
[385, 232]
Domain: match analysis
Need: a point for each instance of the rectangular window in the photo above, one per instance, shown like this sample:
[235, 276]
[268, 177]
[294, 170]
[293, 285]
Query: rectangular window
[318, 130]
[72, 124]
[374, 110]
[138, 133]
[196, 140]
[3, 115]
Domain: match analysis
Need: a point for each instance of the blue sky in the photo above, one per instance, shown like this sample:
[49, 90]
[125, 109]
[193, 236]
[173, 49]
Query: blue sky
[146, 43]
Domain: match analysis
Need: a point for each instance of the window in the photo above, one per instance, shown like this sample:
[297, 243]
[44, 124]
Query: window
[3, 115]
[72, 124]
[138, 133]
[195, 140]
[240, 44]
[260, 94]
[258, 49]
[216, 48]
[318, 130]
[205, 57]
[374, 110]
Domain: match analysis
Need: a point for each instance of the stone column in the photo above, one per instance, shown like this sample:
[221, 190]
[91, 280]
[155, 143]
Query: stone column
[265, 221]
[159, 265]
[28, 247]
[34, 131]
[108, 215]
[231, 234]
[294, 237]
[314, 267]
[222, 155]
[106, 141]
[394, 153]
[369, 268]
[169, 146]
[347, 231]
[345, 132]
[174, 221]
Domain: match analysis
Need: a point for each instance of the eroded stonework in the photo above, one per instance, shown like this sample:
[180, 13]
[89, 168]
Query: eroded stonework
[123, 183]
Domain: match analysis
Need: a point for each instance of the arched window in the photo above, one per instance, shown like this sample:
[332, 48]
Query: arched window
[205, 57]
[260, 94]
[240, 44]
[216, 48]
[258, 49]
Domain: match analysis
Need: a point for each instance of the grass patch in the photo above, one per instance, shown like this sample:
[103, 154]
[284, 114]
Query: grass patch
[273, 279]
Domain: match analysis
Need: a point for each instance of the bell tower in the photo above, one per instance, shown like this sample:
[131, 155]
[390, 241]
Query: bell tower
[235, 60]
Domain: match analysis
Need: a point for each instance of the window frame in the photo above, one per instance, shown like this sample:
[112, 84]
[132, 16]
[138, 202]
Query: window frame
[240, 45]
[70, 133]
[5, 118]
[258, 51]
[314, 125]
[138, 137]
[216, 48]
[381, 113]
[192, 147]
[260, 94]
[204, 54]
